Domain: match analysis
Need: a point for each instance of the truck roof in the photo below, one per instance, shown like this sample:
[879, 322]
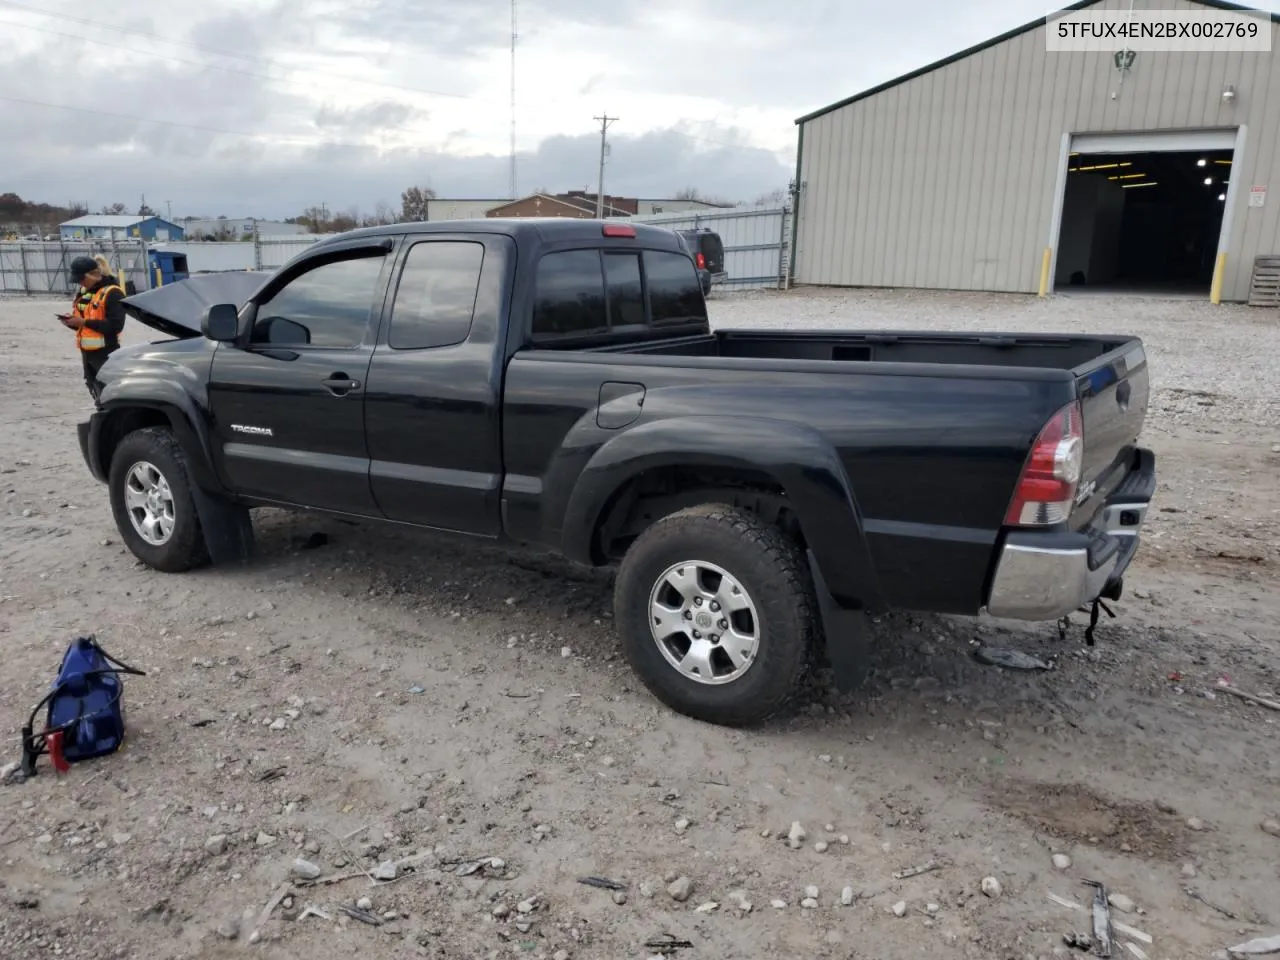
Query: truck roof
[520, 229]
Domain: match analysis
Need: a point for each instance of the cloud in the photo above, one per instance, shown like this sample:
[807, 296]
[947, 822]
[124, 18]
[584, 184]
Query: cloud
[262, 107]
[367, 118]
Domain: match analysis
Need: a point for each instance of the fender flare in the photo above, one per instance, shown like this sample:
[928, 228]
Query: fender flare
[798, 458]
[179, 408]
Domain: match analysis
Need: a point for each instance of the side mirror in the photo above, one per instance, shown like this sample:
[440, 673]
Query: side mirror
[221, 322]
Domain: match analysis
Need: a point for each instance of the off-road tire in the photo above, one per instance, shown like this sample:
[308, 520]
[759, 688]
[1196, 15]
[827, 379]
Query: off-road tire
[772, 570]
[185, 549]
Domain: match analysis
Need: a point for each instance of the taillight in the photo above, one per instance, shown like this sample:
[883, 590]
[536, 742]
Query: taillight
[701, 261]
[1046, 489]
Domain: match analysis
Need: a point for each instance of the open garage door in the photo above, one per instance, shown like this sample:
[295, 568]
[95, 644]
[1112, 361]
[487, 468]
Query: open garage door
[1144, 213]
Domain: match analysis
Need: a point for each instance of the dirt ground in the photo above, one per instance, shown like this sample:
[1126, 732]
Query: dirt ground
[390, 694]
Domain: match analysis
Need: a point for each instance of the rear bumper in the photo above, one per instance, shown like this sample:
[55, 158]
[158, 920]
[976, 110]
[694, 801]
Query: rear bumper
[1047, 575]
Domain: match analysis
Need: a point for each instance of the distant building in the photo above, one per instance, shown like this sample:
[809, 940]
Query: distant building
[228, 228]
[581, 204]
[462, 209]
[647, 208]
[123, 227]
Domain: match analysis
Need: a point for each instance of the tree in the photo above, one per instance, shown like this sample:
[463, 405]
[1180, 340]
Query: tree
[115, 210]
[413, 203]
[146, 211]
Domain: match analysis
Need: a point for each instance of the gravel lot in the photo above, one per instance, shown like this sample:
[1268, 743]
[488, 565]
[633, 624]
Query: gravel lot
[390, 694]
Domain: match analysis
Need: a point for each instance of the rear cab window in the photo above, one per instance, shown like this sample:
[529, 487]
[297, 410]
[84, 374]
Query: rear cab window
[591, 293]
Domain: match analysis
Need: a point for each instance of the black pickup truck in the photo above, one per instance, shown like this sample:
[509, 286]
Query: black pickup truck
[557, 384]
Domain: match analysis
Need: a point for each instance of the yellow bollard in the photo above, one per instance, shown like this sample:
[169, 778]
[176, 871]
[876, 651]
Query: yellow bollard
[1215, 288]
[159, 278]
[1044, 271]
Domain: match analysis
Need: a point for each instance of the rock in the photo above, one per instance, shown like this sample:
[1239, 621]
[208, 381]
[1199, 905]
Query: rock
[526, 907]
[120, 839]
[279, 723]
[778, 904]
[560, 955]
[228, 929]
[1061, 861]
[931, 908]
[311, 847]
[524, 926]
[210, 812]
[811, 892]
[844, 839]
[1258, 947]
[1195, 823]
[364, 903]
[829, 827]
[306, 870]
[647, 889]
[808, 903]
[620, 897]
[991, 887]
[566, 652]
[1120, 902]
[846, 897]
[821, 846]
[709, 907]
[501, 911]
[680, 889]
[1188, 870]
[385, 870]
[739, 900]
[796, 834]
[1271, 827]
[681, 826]
[45, 838]
[900, 908]
[265, 839]
[216, 845]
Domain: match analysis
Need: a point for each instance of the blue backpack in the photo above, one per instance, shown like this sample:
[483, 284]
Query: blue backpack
[85, 716]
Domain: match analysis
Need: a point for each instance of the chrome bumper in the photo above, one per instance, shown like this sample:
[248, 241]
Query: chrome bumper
[1047, 576]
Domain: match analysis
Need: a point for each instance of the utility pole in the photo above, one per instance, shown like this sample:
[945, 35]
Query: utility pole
[512, 185]
[604, 129]
[168, 205]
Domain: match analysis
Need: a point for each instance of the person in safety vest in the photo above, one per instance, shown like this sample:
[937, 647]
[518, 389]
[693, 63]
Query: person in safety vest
[97, 317]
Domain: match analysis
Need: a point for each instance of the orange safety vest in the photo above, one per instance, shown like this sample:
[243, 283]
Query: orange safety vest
[93, 306]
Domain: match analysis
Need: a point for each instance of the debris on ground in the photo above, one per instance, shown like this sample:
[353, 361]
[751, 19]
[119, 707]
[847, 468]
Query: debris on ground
[1101, 918]
[604, 883]
[917, 871]
[1008, 658]
[1257, 948]
[991, 887]
[364, 916]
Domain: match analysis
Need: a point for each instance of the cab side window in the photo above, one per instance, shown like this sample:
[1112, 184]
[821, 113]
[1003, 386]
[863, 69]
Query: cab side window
[328, 306]
[436, 298]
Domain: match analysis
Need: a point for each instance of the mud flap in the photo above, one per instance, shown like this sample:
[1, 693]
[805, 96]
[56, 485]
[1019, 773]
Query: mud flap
[847, 635]
[227, 528]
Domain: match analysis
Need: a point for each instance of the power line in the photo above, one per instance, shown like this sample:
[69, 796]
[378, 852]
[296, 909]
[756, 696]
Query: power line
[269, 137]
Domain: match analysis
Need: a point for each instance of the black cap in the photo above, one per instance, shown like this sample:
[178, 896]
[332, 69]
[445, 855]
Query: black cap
[81, 266]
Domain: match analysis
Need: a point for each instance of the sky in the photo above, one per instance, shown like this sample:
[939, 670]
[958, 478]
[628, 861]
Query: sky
[266, 107]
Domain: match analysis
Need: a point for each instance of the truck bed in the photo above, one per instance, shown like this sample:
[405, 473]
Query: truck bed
[1078, 354]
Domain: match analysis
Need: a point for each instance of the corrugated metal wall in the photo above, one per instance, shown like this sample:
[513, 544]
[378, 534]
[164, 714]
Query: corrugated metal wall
[31, 267]
[755, 241]
[948, 180]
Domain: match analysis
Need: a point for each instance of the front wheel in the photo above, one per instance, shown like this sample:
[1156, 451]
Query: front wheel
[715, 609]
[152, 502]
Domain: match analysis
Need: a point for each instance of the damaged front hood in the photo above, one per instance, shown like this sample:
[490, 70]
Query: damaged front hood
[176, 309]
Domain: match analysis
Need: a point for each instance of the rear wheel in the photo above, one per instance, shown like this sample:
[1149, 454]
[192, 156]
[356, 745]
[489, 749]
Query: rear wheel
[715, 611]
[152, 502]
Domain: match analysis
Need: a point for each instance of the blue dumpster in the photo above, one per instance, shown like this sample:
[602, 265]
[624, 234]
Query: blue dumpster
[167, 267]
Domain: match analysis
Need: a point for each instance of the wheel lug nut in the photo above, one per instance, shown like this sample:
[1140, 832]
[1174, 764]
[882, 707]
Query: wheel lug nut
[723, 624]
[715, 638]
[697, 635]
[697, 601]
[715, 606]
[688, 614]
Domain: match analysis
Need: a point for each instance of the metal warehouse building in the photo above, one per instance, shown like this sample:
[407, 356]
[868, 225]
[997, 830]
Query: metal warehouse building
[1007, 167]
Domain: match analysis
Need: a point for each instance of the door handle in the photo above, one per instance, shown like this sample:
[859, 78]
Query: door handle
[339, 384]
